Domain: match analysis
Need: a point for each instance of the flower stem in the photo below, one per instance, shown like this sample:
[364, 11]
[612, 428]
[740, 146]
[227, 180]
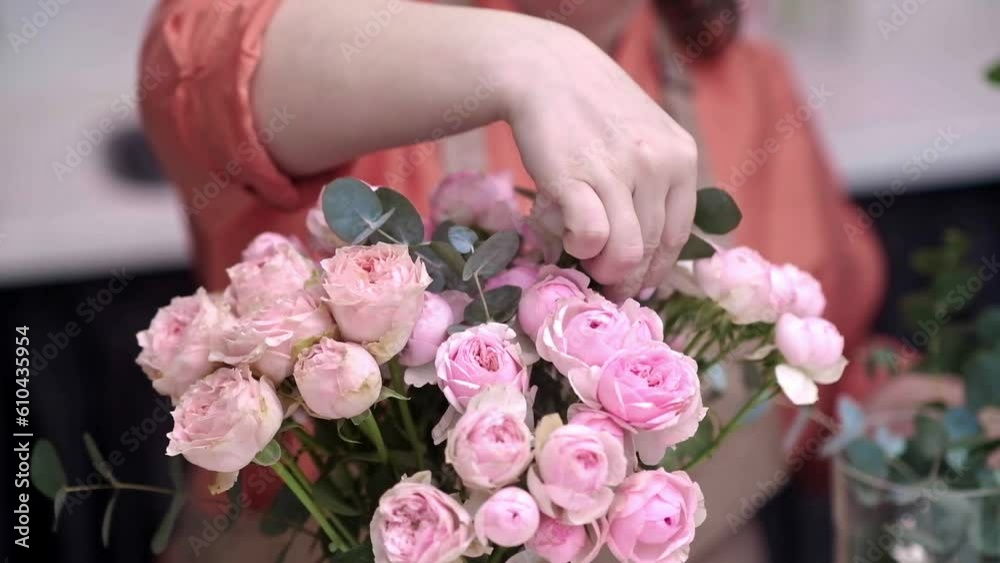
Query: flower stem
[123, 486]
[296, 472]
[282, 468]
[763, 394]
[396, 371]
[498, 554]
[369, 427]
[482, 297]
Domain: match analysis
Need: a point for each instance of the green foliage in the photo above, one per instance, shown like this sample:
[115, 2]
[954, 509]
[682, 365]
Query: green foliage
[492, 256]
[696, 248]
[500, 306]
[351, 208]
[47, 473]
[270, 455]
[166, 527]
[716, 213]
[404, 225]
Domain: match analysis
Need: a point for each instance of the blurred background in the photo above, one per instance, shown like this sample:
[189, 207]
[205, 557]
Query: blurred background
[91, 234]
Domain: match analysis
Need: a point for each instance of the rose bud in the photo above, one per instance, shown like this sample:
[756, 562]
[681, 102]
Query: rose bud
[558, 542]
[337, 379]
[521, 276]
[808, 300]
[266, 245]
[476, 199]
[508, 518]
[429, 332]
[266, 338]
[375, 294]
[739, 280]
[176, 346]
[542, 298]
[490, 445]
[484, 355]
[654, 516]
[275, 270]
[574, 472]
[814, 353]
[417, 523]
[224, 420]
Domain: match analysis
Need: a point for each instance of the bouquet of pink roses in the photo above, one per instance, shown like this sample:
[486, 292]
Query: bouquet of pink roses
[465, 393]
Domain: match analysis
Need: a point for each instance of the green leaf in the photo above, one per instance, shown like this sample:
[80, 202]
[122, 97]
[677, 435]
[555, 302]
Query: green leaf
[716, 213]
[162, 536]
[988, 326]
[867, 457]
[390, 393]
[46, 470]
[993, 74]
[109, 512]
[492, 256]
[449, 256]
[270, 455]
[931, 438]
[96, 458]
[960, 423]
[462, 238]
[502, 302]
[360, 554]
[696, 248]
[285, 510]
[350, 206]
[361, 418]
[982, 380]
[702, 439]
[405, 224]
[351, 437]
[373, 226]
[328, 498]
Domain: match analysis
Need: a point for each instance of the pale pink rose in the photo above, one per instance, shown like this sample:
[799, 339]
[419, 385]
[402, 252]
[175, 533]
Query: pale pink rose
[586, 332]
[176, 346]
[267, 337]
[601, 421]
[523, 276]
[508, 518]
[429, 332]
[324, 241]
[337, 380]
[273, 271]
[375, 294]
[476, 199]
[417, 523]
[224, 420]
[654, 516]
[809, 300]
[649, 389]
[680, 279]
[470, 360]
[814, 353]
[266, 245]
[575, 470]
[559, 542]
[542, 298]
[739, 280]
[490, 445]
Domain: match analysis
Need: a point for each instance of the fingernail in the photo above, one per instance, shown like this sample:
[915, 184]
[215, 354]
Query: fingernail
[646, 293]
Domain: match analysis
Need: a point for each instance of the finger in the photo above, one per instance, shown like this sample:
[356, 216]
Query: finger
[651, 212]
[585, 222]
[623, 252]
[680, 206]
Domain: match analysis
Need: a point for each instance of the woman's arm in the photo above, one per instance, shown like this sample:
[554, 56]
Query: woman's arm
[373, 74]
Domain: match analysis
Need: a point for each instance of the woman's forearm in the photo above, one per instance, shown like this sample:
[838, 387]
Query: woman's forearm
[365, 75]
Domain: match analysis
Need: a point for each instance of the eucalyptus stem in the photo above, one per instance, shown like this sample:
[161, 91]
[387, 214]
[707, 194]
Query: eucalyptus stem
[282, 468]
[396, 372]
[761, 395]
[122, 486]
[482, 297]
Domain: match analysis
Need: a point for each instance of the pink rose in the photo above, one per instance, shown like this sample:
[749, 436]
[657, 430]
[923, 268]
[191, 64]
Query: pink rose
[337, 380]
[680, 279]
[586, 332]
[176, 346]
[654, 516]
[574, 472]
[486, 354]
[267, 337]
[224, 420]
[814, 353]
[324, 241]
[508, 518]
[429, 332]
[490, 445]
[521, 276]
[650, 389]
[266, 245]
[807, 298]
[739, 280]
[601, 421]
[375, 294]
[476, 199]
[543, 297]
[417, 523]
[273, 271]
[558, 542]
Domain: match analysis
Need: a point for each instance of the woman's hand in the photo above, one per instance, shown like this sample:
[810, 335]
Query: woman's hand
[620, 172]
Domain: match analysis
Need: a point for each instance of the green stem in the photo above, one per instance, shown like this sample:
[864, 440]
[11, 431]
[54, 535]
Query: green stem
[124, 486]
[369, 427]
[296, 472]
[498, 554]
[282, 468]
[482, 297]
[409, 426]
[762, 394]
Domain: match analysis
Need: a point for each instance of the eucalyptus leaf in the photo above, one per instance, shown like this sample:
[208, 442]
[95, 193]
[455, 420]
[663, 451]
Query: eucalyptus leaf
[96, 459]
[47, 473]
[988, 325]
[891, 443]
[162, 536]
[492, 256]
[696, 248]
[462, 238]
[109, 512]
[960, 423]
[716, 213]
[373, 227]
[449, 256]
[405, 225]
[867, 457]
[350, 206]
[502, 303]
[852, 425]
[931, 438]
[270, 455]
[982, 383]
